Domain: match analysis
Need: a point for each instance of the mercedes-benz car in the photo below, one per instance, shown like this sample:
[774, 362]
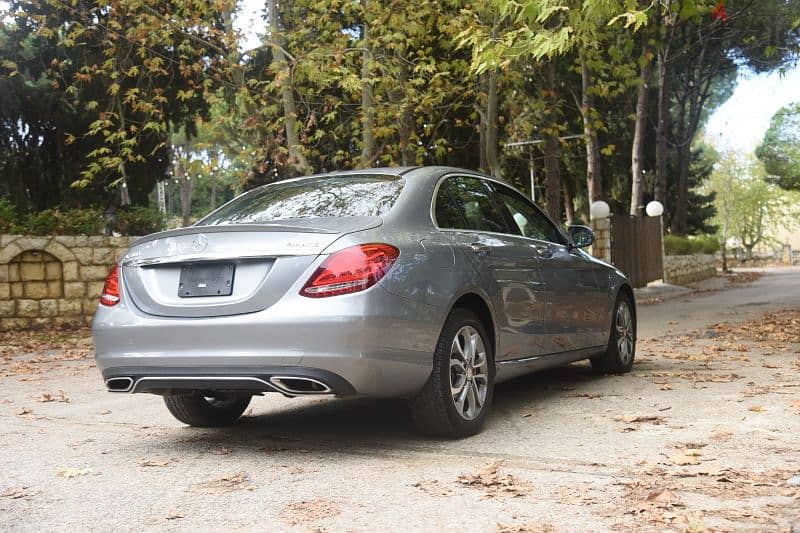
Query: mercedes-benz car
[430, 284]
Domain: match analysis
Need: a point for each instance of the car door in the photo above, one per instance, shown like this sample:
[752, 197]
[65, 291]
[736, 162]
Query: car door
[505, 263]
[576, 307]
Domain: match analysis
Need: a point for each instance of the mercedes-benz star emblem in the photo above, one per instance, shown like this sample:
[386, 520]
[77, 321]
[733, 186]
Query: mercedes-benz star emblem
[199, 243]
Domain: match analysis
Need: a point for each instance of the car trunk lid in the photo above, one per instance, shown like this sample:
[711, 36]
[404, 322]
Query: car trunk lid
[223, 270]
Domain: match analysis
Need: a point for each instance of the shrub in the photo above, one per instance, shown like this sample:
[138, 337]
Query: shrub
[70, 222]
[139, 221]
[8, 216]
[679, 245]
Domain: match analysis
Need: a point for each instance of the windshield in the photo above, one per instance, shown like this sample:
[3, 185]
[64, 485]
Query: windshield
[329, 196]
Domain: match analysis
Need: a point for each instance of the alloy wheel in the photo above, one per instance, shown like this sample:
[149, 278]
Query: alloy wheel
[625, 334]
[469, 372]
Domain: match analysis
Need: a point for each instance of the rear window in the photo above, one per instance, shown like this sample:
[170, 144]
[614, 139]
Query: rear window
[329, 196]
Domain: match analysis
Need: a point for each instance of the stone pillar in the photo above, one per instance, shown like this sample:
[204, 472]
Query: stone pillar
[601, 248]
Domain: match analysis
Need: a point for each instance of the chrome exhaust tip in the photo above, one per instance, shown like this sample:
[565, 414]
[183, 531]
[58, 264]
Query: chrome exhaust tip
[298, 386]
[123, 384]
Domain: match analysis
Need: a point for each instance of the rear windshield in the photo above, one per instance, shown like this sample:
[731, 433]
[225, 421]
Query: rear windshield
[329, 196]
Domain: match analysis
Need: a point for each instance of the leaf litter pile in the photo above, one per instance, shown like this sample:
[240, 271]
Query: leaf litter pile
[31, 353]
[494, 483]
[692, 488]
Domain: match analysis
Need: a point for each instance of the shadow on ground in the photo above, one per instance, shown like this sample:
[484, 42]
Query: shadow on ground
[370, 423]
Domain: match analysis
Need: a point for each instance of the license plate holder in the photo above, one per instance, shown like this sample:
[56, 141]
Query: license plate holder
[206, 279]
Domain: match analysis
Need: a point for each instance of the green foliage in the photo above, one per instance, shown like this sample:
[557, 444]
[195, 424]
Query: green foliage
[8, 215]
[749, 208]
[69, 222]
[139, 221]
[780, 149]
[686, 245]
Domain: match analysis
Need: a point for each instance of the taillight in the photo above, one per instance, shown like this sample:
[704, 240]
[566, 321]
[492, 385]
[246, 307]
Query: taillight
[110, 294]
[351, 270]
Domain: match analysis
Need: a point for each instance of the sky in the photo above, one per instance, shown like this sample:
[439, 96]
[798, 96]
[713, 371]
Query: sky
[739, 124]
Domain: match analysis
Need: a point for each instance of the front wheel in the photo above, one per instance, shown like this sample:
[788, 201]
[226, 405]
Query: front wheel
[207, 409]
[457, 396]
[618, 357]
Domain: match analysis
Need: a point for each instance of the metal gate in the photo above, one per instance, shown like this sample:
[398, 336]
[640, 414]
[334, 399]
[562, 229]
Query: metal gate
[636, 248]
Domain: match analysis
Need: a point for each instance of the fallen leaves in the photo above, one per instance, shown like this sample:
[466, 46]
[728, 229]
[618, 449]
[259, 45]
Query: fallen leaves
[222, 485]
[15, 493]
[30, 353]
[528, 527]
[684, 457]
[60, 397]
[756, 409]
[305, 511]
[155, 462]
[631, 419]
[433, 488]
[495, 483]
[69, 473]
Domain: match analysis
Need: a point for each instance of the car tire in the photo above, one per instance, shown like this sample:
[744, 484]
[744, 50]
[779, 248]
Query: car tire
[621, 350]
[436, 410]
[199, 410]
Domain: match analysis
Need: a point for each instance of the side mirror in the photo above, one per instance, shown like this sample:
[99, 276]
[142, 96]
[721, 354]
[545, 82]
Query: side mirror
[582, 236]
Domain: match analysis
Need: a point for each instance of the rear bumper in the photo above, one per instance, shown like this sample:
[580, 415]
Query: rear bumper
[372, 344]
[164, 380]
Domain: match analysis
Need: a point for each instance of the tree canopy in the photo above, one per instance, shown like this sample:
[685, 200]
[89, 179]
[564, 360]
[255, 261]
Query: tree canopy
[780, 149]
[596, 99]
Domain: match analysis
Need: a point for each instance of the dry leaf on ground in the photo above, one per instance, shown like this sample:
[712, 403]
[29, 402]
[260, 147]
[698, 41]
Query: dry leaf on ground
[495, 483]
[756, 409]
[308, 511]
[155, 462]
[229, 483]
[433, 487]
[528, 527]
[67, 472]
[60, 397]
[15, 493]
[796, 407]
[630, 419]
[684, 457]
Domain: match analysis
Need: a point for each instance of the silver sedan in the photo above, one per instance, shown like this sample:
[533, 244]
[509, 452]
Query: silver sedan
[428, 283]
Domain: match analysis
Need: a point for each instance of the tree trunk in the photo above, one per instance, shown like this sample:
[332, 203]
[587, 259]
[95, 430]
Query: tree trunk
[367, 99]
[662, 128]
[491, 125]
[594, 181]
[569, 206]
[637, 151]
[552, 148]
[213, 192]
[283, 73]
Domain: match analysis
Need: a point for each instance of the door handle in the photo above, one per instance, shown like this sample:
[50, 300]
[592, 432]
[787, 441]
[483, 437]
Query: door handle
[480, 249]
[544, 252]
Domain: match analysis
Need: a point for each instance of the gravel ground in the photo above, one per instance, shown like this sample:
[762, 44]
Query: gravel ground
[701, 435]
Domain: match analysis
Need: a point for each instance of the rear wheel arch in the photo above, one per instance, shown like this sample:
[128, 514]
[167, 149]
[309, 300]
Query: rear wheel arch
[475, 303]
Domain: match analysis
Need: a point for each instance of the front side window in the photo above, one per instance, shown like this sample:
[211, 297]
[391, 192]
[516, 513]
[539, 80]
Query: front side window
[531, 222]
[328, 196]
[474, 200]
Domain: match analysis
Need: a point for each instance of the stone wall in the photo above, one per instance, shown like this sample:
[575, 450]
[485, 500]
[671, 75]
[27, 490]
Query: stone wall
[683, 269]
[54, 281]
[601, 248]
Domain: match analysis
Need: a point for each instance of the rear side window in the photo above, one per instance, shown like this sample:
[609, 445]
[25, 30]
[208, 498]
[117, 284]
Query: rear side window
[329, 196]
[474, 200]
[448, 214]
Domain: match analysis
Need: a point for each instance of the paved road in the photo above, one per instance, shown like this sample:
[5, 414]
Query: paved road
[713, 445]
